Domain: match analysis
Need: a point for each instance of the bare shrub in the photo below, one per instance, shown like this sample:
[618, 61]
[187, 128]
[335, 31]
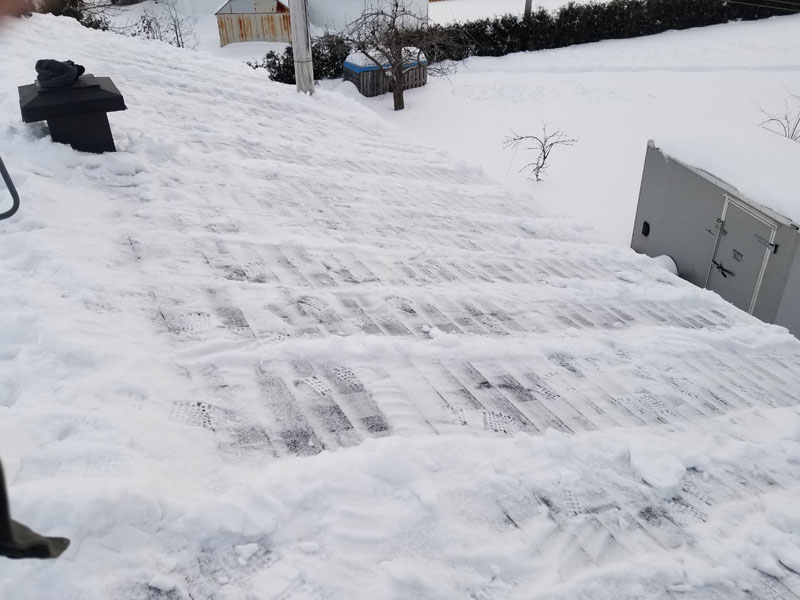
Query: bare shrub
[541, 145]
[787, 123]
[167, 24]
[393, 37]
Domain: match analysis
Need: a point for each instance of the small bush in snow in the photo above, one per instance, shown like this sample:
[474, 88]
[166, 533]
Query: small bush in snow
[166, 24]
[541, 145]
[88, 14]
[787, 123]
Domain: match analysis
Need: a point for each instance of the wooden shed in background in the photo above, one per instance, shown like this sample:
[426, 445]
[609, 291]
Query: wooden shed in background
[253, 21]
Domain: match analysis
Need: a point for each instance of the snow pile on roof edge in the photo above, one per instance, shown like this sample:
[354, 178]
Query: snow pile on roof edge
[764, 166]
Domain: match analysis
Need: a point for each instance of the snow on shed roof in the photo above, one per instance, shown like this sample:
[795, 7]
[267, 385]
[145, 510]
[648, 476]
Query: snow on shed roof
[251, 7]
[762, 166]
[360, 61]
[248, 357]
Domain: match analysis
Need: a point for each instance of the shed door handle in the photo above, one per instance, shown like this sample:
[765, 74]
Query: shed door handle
[763, 242]
[725, 272]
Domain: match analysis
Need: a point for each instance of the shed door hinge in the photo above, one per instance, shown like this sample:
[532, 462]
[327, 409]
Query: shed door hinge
[763, 242]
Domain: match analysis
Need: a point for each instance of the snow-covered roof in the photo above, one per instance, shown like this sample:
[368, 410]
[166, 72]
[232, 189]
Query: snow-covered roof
[412, 56]
[249, 7]
[762, 166]
[247, 356]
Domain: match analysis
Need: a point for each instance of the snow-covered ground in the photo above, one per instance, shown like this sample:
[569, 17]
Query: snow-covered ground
[276, 347]
[612, 96]
[204, 23]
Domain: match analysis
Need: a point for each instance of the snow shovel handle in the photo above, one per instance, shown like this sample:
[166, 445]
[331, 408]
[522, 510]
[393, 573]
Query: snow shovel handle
[11, 190]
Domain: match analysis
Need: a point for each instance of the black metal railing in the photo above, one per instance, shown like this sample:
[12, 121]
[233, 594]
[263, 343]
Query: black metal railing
[11, 190]
[17, 540]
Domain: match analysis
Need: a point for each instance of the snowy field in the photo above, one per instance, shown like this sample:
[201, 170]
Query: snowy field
[204, 23]
[278, 348]
[201, 12]
[612, 96]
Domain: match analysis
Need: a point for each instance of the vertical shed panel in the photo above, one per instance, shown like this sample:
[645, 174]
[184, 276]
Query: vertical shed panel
[788, 315]
[775, 296]
[244, 27]
[223, 35]
[681, 210]
[225, 25]
[273, 27]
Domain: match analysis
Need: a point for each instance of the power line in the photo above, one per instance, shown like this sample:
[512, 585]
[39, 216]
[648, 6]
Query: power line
[791, 10]
[780, 2]
[783, 2]
[757, 5]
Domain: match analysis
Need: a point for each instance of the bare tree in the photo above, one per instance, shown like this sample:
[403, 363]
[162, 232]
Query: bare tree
[166, 24]
[541, 144]
[94, 14]
[395, 38]
[788, 123]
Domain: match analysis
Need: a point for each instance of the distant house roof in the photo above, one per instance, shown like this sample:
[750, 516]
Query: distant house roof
[251, 7]
[763, 167]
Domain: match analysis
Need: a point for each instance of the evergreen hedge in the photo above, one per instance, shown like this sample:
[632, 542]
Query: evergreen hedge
[328, 54]
[86, 14]
[571, 24]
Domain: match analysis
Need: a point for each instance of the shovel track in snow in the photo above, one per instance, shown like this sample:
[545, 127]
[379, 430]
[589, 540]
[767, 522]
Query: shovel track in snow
[328, 406]
[464, 310]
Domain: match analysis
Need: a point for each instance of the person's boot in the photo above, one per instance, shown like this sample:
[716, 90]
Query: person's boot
[18, 541]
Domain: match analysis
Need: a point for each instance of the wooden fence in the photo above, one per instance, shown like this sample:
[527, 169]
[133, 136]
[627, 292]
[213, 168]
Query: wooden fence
[373, 81]
[271, 27]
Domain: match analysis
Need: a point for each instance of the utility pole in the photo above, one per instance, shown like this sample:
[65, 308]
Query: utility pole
[528, 7]
[301, 46]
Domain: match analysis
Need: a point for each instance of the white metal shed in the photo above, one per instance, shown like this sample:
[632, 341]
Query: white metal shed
[725, 207]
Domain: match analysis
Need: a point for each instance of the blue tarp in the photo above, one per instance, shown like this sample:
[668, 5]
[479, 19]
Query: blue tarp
[373, 67]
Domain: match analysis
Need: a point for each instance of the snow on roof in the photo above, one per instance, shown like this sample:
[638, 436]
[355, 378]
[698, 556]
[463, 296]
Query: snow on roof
[762, 166]
[221, 7]
[247, 356]
[250, 7]
[410, 54]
